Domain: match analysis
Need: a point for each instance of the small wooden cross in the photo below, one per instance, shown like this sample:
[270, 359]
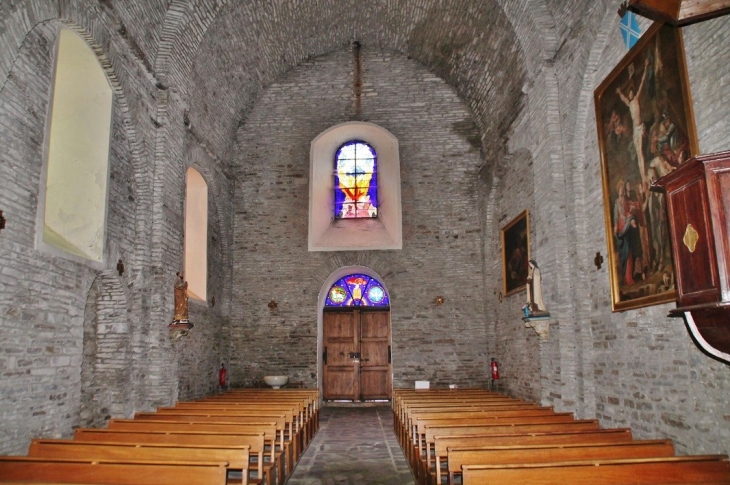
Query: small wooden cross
[598, 260]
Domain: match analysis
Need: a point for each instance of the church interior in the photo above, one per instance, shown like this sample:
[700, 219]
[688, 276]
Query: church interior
[211, 137]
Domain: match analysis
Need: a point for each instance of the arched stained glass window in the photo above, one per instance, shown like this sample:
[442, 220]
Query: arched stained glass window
[357, 290]
[356, 181]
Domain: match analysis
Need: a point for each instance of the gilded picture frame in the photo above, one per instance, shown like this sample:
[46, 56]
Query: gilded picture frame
[515, 237]
[646, 129]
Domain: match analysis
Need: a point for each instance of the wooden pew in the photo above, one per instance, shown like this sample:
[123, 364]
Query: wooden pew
[301, 406]
[409, 405]
[255, 442]
[443, 443]
[298, 437]
[612, 435]
[307, 406]
[409, 430]
[268, 428]
[405, 410]
[401, 398]
[405, 407]
[23, 468]
[712, 469]
[458, 457]
[412, 413]
[285, 427]
[227, 418]
[304, 410]
[422, 421]
[309, 396]
[426, 463]
[236, 457]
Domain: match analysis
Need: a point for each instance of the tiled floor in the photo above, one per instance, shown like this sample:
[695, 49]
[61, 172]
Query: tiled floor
[354, 446]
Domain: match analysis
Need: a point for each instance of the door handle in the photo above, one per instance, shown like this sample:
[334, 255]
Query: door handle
[365, 360]
[324, 356]
[388, 354]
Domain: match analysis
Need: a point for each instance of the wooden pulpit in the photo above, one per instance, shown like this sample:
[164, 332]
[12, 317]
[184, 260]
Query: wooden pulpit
[698, 207]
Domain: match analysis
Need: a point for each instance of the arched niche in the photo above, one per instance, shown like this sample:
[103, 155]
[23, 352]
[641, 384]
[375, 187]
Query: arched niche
[73, 198]
[329, 234]
[106, 388]
[321, 303]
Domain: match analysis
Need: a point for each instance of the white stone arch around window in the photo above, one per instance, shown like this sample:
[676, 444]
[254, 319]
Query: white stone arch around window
[196, 234]
[329, 234]
[72, 208]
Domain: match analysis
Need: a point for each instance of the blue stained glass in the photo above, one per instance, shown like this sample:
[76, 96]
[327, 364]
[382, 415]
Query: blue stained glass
[376, 294]
[356, 181]
[357, 290]
[630, 31]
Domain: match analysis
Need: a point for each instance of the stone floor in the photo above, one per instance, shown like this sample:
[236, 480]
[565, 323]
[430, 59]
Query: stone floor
[354, 446]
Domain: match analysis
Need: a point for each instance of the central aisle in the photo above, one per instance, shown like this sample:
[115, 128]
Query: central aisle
[354, 446]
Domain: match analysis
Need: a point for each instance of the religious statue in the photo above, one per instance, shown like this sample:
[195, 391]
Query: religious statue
[181, 300]
[535, 306]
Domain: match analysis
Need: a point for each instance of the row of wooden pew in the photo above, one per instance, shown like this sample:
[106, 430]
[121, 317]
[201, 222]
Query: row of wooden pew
[245, 436]
[474, 436]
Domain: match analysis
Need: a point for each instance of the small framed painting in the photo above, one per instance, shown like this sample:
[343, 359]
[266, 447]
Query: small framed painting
[515, 253]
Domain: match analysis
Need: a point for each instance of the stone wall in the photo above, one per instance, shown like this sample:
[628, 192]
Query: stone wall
[440, 157]
[494, 114]
[639, 368]
[636, 368]
[66, 324]
[513, 345]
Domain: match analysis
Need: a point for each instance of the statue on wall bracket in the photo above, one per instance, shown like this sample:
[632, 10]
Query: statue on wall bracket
[536, 314]
[181, 299]
[535, 306]
[180, 325]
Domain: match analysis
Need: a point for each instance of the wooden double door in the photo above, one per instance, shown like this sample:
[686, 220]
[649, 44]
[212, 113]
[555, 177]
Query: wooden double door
[356, 356]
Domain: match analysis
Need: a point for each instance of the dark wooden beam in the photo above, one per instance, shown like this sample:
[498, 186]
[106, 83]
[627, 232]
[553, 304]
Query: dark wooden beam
[680, 12]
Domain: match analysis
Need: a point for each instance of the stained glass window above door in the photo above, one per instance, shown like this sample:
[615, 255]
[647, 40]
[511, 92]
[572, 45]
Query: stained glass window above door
[356, 181]
[357, 290]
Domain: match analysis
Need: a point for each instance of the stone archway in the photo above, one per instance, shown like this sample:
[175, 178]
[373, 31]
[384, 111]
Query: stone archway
[106, 368]
[374, 328]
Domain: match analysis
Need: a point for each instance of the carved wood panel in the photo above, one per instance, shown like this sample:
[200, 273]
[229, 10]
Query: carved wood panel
[356, 360]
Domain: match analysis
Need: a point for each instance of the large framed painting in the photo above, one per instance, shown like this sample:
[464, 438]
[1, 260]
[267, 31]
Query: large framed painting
[646, 129]
[515, 253]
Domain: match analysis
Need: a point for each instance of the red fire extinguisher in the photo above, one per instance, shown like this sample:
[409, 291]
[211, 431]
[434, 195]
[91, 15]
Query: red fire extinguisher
[494, 365]
[222, 376]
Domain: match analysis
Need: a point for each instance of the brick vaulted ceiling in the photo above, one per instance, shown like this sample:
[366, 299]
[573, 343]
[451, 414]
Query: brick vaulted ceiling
[222, 54]
[471, 44]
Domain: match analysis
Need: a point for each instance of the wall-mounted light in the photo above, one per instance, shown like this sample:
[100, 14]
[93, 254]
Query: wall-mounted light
[273, 305]
[120, 267]
[2, 221]
[439, 300]
[598, 260]
[212, 301]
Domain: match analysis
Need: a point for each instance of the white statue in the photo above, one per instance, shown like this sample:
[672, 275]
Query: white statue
[535, 304]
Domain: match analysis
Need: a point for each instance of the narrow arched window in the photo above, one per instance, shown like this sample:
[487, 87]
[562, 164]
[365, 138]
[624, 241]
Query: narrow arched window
[357, 290]
[356, 181]
[77, 163]
[196, 235]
